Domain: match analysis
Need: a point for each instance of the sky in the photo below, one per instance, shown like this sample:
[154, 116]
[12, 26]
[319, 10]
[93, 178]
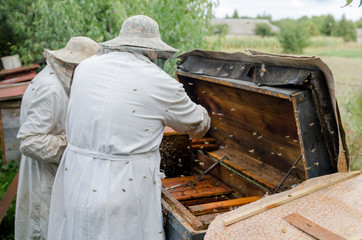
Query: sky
[295, 9]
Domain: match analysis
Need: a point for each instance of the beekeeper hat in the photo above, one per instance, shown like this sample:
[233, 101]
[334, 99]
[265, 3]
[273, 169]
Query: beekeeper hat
[76, 50]
[140, 31]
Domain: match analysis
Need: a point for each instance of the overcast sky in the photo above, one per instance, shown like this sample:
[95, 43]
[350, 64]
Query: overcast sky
[279, 9]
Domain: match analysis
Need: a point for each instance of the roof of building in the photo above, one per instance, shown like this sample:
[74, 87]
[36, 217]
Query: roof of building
[242, 26]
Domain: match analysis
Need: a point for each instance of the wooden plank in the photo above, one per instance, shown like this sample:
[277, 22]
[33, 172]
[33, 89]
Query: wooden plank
[206, 187]
[180, 209]
[229, 177]
[9, 92]
[206, 147]
[249, 86]
[206, 219]
[221, 206]
[312, 141]
[288, 198]
[197, 201]
[261, 172]
[18, 70]
[203, 140]
[8, 197]
[311, 228]
[18, 79]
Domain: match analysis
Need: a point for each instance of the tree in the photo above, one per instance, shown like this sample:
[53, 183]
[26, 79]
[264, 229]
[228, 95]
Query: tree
[235, 14]
[346, 29]
[263, 29]
[264, 16]
[39, 24]
[293, 37]
[359, 23]
[328, 25]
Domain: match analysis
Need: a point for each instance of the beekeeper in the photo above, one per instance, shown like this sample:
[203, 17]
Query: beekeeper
[42, 135]
[108, 185]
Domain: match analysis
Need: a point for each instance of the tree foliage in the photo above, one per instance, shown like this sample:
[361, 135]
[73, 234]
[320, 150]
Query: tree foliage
[346, 29]
[328, 25]
[263, 29]
[37, 24]
[348, 2]
[293, 37]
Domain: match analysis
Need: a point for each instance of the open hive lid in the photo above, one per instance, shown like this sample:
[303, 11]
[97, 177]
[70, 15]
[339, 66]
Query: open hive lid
[280, 77]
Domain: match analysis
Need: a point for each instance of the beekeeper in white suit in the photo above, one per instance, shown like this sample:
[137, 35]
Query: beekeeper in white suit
[42, 135]
[108, 185]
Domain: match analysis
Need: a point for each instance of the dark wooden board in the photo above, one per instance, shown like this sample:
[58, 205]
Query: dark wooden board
[311, 228]
[206, 219]
[254, 122]
[313, 144]
[183, 211]
[257, 170]
[240, 184]
[205, 200]
[206, 187]
[221, 206]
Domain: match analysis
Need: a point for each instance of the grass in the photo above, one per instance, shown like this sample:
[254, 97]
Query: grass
[345, 61]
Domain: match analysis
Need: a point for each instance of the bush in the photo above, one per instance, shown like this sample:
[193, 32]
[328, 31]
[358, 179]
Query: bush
[263, 29]
[293, 37]
[7, 174]
[220, 29]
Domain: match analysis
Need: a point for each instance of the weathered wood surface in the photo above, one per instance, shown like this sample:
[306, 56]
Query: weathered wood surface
[240, 184]
[197, 201]
[260, 125]
[255, 169]
[12, 91]
[206, 187]
[235, 83]
[311, 228]
[180, 209]
[10, 73]
[315, 154]
[8, 197]
[206, 219]
[221, 206]
[288, 198]
[23, 78]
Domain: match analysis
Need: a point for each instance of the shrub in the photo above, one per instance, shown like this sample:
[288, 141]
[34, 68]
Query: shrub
[293, 37]
[263, 29]
[7, 173]
[220, 29]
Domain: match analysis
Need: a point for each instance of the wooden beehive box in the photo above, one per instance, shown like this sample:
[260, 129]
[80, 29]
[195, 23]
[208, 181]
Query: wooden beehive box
[262, 130]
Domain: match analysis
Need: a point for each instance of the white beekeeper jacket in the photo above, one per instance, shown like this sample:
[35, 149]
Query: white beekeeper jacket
[108, 185]
[43, 141]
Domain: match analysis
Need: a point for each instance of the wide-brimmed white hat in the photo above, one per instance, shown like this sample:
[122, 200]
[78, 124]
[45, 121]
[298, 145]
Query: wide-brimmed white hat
[140, 31]
[76, 50]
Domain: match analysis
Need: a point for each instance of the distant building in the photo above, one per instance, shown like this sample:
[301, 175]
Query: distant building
[242, 27]
[359, 35]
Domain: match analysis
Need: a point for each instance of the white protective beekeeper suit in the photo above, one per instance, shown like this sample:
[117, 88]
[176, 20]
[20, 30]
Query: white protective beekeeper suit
[108, 185]
[43, 141]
